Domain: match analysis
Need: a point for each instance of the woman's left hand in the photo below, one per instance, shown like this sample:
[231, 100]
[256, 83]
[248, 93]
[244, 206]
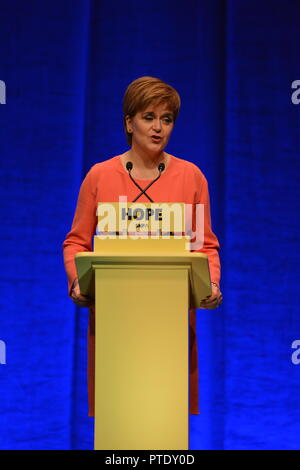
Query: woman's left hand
[214, 300]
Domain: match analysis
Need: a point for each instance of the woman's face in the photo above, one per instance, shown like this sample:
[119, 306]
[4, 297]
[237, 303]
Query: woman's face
[151, 128]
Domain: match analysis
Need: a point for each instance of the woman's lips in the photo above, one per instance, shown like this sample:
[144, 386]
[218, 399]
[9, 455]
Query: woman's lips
[155, 138]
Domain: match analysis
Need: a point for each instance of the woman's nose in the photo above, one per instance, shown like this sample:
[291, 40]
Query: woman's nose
[157, 125]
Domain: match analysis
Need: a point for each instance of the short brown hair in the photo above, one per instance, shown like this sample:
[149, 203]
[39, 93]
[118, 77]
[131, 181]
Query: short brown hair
[145, 90]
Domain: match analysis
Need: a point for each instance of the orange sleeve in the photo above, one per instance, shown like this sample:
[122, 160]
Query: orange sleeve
[83, 228]
[211, 245]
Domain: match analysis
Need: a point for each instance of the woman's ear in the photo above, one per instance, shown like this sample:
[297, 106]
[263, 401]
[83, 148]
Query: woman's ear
[128, 124]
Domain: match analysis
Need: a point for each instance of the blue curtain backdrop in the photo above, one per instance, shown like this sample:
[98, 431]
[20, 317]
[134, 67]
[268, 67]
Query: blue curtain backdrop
[66, 65]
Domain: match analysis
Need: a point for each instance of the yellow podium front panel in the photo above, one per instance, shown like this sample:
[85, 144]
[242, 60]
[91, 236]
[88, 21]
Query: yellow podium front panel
[141, 359]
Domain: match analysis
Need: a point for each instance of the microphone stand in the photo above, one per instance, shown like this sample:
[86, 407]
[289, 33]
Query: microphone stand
[129, 167]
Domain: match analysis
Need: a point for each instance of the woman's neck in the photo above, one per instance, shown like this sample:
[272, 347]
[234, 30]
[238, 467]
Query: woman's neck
[144, 161]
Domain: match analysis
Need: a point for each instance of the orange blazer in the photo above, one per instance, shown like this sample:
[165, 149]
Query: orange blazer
[182, 181]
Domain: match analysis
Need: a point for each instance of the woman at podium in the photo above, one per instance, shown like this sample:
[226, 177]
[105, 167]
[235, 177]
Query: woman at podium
[150, 109]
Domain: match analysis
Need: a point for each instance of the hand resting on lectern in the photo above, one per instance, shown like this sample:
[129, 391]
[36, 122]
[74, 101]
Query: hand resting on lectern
[80, 299]
[214, 300]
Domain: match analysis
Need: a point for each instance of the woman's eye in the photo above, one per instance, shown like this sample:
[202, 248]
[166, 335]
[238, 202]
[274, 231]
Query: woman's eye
[167, 120]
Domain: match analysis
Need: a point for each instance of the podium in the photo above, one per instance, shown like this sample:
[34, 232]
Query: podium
[143, 290]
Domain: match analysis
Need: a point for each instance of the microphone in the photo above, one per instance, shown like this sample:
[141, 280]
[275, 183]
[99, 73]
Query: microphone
[129, 167]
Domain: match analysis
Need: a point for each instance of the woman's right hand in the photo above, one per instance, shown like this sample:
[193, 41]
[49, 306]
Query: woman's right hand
[78, 298]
